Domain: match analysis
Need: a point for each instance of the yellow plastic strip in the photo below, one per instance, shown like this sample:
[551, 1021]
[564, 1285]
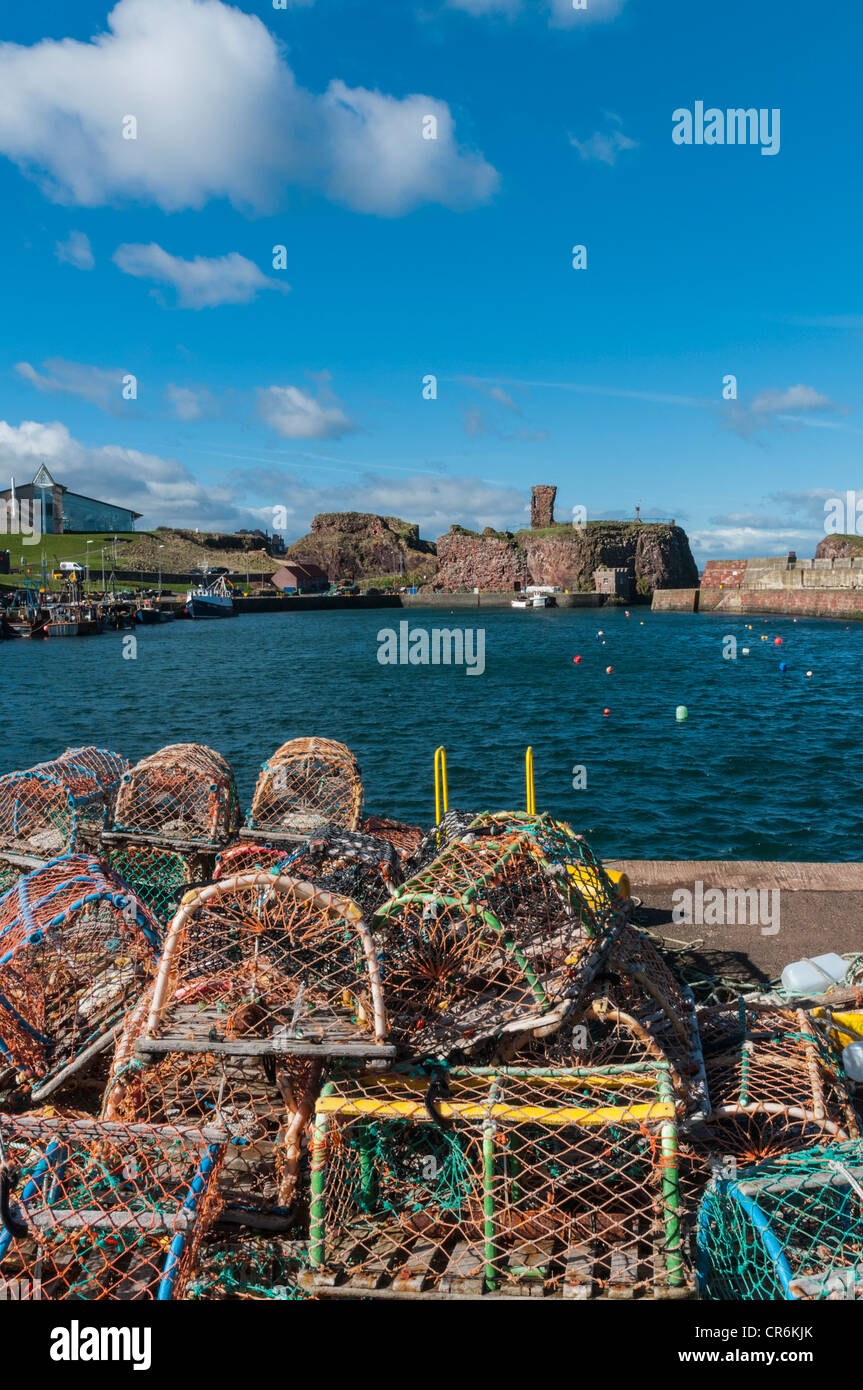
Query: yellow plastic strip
[535, 1114]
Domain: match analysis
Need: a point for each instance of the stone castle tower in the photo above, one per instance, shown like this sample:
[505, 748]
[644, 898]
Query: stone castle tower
[542, 506]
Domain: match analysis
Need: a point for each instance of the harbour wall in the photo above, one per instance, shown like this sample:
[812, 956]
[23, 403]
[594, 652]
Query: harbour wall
[828, 588]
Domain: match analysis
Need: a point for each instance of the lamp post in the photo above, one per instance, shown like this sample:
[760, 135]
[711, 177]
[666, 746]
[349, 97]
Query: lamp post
[87, 571]
[161, 548]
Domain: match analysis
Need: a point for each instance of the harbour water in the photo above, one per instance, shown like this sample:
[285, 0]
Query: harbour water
[765, 767]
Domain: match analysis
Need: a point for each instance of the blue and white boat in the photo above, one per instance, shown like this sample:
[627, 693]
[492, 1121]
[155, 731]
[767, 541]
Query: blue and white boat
[210, 600]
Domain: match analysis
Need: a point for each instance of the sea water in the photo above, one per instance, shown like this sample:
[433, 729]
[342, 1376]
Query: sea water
[765, 766]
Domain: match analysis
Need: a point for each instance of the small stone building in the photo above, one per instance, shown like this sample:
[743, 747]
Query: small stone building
[616, 582]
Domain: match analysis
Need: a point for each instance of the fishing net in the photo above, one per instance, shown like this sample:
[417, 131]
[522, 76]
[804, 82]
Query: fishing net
[523, 1181]
[243, 857]
[490, 939]
[174, 809]
[253, 1268]
[773, 1084]
[451, 826]
[158, 876]
[76, 951]
[790, 1229]
[637, 985]
[308, 784]
[358, 866]
[60, 806]
[255, 969]
[103, 1211]
[183, 796]
[10, 872]
[405, 839]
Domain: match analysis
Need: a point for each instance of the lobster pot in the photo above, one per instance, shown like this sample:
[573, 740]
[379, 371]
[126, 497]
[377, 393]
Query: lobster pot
[559, 844]
[639, 992]
[489, 941]
[246, 856]
[159, 876]
[787, 1230]
[60, 806]
[253, 966]
[774, 1086]
[260, 1102]
[183, 796]
[362, 867]
[77, 950]
[528, 1182]
[405, 839]
[103, 1211]
[306, 785]
[451, 826]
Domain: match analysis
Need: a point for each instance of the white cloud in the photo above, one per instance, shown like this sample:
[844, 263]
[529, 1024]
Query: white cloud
[749, 540]
[561, 13]
[604, 146]
[481, 7]
[769, 408]
[76, 251]
[219, 115]
[163, 490]
[202, 283]
[434, 503]
[190, 403]
[100, 386]
[598, 11]
[294, 414]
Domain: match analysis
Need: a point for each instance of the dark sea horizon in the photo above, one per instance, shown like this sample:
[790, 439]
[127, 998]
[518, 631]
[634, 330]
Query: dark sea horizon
[765, 766]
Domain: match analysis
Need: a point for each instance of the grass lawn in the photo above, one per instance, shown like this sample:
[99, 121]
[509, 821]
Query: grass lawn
[69, 547]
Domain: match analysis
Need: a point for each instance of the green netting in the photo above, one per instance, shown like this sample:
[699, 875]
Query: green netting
[159, 876]
[788, 1230]
[253, 1268]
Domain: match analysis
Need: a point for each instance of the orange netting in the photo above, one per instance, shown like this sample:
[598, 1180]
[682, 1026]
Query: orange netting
[95, 1211]
[185, 793]
[59, 806]
[76, 951]
[308, 784]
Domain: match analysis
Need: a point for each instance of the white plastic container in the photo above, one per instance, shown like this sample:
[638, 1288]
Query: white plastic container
[814, 974]
[852, 1061]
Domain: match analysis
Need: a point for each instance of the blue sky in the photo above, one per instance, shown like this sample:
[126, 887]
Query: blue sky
[302, 387]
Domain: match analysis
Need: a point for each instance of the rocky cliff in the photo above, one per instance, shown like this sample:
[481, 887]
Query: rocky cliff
[656, 557]
[360, 545]
[838, 547]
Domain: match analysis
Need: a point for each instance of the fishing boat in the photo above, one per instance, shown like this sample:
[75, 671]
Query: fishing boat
[210, 600]
[534, 598]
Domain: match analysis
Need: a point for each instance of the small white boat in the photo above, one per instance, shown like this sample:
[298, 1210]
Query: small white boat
[534, 598]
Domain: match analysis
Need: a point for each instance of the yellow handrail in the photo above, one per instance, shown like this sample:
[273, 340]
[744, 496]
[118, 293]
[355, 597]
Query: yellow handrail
[528, 782]
[440, 783]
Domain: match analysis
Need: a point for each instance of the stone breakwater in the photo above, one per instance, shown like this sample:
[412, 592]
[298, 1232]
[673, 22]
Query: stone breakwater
[824, 587]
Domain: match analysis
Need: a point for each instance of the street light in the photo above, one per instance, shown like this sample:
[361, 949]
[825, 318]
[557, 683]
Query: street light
[87, 573]
[161, 548]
